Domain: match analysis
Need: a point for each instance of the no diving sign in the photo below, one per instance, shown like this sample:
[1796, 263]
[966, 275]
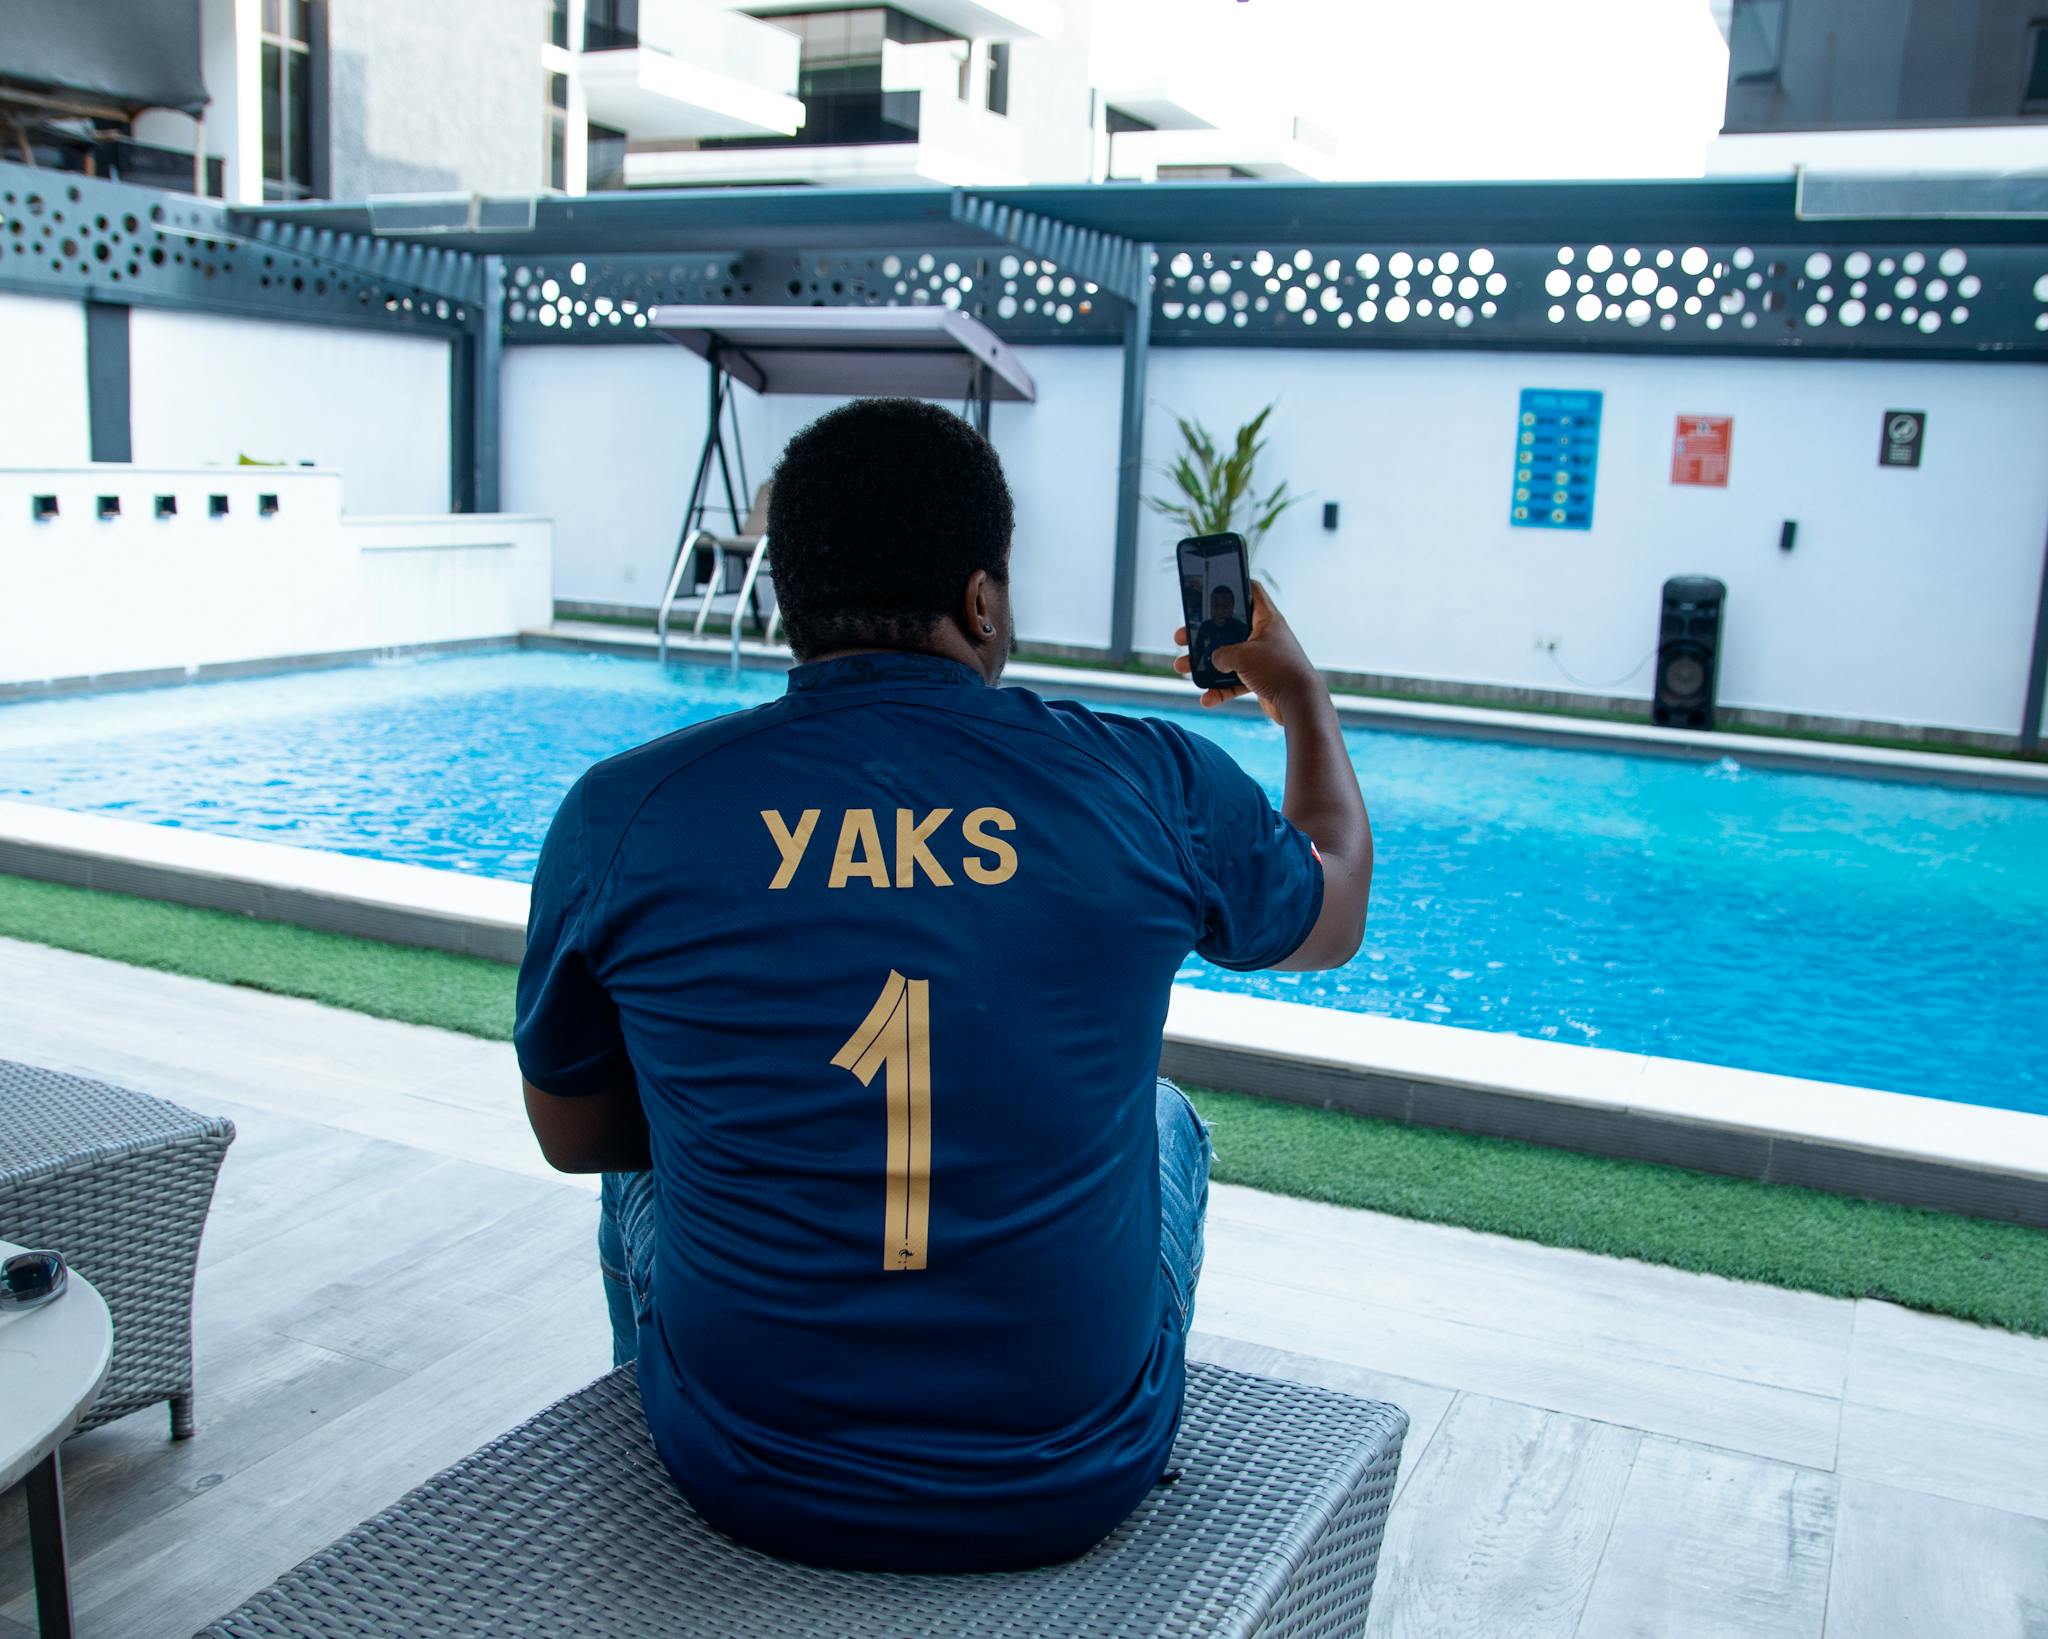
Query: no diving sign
[1904, 433]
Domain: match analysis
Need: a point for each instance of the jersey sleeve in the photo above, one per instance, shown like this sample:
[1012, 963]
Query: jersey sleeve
[566, 1031]
[1258, 878]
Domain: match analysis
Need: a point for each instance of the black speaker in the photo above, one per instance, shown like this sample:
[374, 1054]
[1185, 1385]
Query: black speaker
[1688, 652]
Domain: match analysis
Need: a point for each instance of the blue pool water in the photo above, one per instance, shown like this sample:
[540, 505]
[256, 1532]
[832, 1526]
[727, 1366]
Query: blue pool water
[1887, 935]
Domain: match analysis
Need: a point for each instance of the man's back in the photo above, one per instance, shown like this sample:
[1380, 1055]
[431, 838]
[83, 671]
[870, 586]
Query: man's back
[890, 959]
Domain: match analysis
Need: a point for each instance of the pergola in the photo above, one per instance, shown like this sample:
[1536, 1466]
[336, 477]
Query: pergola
[1808, 269]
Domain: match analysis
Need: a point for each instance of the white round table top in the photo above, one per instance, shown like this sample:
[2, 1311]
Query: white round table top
[52, 1362]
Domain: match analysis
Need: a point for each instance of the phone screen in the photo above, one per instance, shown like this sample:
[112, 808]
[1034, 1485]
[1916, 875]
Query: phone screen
[1215, 601]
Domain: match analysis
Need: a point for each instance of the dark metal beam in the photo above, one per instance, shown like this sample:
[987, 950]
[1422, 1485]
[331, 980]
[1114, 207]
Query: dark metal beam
[423, 267]
[1760, 299]
[666, 221]
[1130, 478]
[1107, 259]
[462, 424]
[475, 361]
[489, 355]
[89, 239]
[2037, 671]
[107, 381]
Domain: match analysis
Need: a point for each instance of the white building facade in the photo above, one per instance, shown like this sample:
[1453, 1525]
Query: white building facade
[318, 99]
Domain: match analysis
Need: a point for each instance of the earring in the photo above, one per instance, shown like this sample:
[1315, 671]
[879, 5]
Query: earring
[987, 630]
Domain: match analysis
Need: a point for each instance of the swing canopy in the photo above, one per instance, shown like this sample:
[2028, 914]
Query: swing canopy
[920, 352]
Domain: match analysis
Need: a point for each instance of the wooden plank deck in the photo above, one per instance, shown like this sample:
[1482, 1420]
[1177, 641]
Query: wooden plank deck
[1598, 1448]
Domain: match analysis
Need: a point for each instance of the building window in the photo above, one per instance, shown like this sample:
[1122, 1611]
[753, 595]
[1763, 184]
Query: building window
[841, 71]
[1756, 41]
[557, 23]
[287, 99]
[606, 157]
[843, 50]
[611, 25]
[999, 77]
[2036, 96]
[557, 90]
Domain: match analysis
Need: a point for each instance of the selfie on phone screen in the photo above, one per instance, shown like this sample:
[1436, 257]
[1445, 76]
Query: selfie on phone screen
[1216, 599]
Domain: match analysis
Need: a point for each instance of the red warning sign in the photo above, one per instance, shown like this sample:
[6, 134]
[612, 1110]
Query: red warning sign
[1699, 453]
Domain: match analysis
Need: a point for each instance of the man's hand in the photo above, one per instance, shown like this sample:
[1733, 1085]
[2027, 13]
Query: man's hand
[1270, 662]
[1322, 794]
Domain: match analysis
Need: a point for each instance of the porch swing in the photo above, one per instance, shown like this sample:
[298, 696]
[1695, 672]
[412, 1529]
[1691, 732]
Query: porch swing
[917, 352]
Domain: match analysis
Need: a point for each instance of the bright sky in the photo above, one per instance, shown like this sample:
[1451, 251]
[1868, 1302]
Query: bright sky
[1483, 88]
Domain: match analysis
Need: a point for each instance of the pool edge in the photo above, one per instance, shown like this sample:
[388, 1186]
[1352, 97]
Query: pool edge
[1787, 753]
[1868, 1142]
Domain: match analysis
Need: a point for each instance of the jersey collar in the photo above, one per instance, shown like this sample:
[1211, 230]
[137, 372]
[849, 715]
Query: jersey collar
[869, 670]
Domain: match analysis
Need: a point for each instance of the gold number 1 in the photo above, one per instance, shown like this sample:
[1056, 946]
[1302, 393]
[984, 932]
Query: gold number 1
[898, 1033]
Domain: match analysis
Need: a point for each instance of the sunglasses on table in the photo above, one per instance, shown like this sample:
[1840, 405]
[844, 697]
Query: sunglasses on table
[29, 1280]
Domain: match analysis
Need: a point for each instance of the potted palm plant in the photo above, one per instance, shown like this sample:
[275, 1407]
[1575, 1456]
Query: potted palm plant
[1215, 490]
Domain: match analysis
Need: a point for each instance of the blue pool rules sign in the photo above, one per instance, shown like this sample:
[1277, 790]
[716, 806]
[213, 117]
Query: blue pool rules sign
[1557, 453]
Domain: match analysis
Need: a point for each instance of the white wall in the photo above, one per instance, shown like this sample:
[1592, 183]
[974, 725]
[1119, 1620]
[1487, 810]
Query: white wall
[43, 413]
[369, 405]
[139, 593]
[436, 98]
[1909, 597]
[604, 440]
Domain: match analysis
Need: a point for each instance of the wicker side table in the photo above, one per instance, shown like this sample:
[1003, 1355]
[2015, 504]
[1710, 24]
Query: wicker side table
[571, 1525]
[120, 1184]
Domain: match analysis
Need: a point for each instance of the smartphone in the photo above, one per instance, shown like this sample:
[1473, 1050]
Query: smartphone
[1216, 601]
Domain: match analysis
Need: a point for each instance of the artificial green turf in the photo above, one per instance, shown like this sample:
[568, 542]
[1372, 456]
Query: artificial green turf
[463, 993]
[1803, 1239]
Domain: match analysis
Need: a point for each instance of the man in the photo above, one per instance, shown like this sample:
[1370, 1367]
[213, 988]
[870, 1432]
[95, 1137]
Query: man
[856, 1000]
[1221, 630]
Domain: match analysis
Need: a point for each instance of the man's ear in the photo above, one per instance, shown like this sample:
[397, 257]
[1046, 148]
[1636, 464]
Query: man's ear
[978, 608]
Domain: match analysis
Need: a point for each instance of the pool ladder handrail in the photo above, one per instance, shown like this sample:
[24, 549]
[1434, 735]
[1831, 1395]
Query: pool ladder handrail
[756, 562]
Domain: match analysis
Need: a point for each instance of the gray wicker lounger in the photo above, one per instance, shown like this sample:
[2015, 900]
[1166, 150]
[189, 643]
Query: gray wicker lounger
[570, 1526]
[120, 1184]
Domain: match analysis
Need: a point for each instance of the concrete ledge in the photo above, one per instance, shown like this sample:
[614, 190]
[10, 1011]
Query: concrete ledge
[1850, 1140]
[1885, 1146]
[337, 893]
[214, 671]
[1417, 717]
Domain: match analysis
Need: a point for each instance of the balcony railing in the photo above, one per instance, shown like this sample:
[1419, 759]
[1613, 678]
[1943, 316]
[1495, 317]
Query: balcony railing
[121, 159]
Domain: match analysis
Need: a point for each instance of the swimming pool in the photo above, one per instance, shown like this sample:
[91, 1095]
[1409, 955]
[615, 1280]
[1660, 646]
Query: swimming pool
[1851, 930]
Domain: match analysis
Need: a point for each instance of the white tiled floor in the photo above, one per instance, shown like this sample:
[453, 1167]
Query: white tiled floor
[1597, 1447]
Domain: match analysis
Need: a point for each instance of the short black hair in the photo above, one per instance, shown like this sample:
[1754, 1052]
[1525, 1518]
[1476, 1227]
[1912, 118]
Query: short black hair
[881, 511]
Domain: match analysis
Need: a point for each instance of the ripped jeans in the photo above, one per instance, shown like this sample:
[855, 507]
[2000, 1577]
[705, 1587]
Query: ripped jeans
[625, 1228]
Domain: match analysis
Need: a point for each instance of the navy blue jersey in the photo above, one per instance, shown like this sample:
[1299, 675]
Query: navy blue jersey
[889, 960]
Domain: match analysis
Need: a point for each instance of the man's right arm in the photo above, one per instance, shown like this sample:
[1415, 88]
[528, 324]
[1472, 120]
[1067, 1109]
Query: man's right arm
[1322, 797]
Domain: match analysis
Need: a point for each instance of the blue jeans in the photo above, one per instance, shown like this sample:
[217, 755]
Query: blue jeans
[625, 1226]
